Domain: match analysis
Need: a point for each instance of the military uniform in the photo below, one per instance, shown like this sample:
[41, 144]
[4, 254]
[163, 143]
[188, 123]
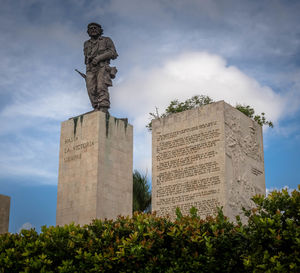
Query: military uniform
[98, 54]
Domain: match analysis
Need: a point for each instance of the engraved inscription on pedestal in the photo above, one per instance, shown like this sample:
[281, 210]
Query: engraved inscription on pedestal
[190, 165]
[188, 162]
[95, 169]
[4, 213]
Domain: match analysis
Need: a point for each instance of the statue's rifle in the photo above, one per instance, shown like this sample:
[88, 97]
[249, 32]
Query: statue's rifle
[81, 74]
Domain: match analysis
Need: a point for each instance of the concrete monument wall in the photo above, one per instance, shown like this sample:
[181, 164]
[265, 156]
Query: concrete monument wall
[95, 169]
[4, 213]
[206, 157]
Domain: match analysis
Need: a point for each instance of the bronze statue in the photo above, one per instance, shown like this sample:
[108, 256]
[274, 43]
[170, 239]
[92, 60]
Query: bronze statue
[98, 51]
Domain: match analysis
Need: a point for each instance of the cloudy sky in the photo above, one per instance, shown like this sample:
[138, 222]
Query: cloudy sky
[244, 52]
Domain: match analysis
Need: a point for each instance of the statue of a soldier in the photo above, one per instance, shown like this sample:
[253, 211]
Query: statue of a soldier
[98, 51]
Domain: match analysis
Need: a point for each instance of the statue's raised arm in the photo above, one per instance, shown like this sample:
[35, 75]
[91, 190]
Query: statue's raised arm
[98, 51]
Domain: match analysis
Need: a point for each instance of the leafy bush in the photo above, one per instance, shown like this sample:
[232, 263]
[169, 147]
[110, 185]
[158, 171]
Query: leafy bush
[273, 233]
[176, 106]
[147, 243]
[249, 112]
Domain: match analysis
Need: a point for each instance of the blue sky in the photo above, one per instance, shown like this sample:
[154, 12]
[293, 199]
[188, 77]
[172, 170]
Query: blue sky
[239, 51]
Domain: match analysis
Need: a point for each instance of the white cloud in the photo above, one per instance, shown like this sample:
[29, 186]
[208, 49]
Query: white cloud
[36, 104]
[191, 74]
[34, 157]
[54, 105]
[42, 42]
[182, 77]
[279, 189]
[287, 130]
[136, 95]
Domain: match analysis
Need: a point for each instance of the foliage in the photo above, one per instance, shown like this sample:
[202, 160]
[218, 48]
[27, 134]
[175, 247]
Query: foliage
[249, 112]
[270, 242]
[195, 101]
[176, 106]
[141, 193]
[273, 233]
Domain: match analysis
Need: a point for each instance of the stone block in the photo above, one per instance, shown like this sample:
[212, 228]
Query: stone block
[207, 157]
[4, 213]
[95, 169]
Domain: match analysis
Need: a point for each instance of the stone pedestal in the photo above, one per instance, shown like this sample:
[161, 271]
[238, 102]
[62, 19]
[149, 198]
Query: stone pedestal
[95, 169]
[206, 157]
[4, 213]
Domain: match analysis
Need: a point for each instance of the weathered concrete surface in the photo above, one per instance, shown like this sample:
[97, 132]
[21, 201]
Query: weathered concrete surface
[206, 157]
[4, 213]
[95, 169]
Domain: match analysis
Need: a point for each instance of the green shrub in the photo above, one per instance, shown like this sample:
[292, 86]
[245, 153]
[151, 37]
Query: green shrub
[147, 243]
[273, 233]
[176, 106]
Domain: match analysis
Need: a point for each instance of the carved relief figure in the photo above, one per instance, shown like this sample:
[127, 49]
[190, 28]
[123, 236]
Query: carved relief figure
[98, 51]
[242, 148]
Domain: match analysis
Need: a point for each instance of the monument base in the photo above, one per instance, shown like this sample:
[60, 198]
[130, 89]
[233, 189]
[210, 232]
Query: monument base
[95, 169]
[206, 158]
[4, 213]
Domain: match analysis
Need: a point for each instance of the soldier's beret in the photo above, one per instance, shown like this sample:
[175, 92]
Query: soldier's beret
[95, 24]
